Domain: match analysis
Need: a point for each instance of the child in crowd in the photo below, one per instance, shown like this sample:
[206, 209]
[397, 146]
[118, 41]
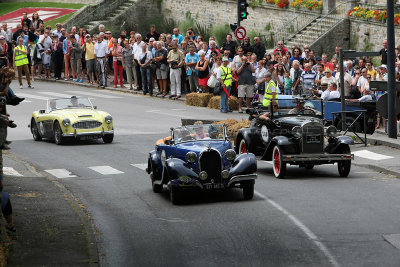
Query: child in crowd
[288, 84]
[46, 63]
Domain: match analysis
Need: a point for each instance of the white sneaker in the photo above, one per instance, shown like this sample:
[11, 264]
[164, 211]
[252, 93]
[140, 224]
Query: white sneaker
[20, 87]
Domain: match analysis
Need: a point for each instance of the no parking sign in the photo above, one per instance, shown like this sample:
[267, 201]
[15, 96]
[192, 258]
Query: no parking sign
[240, 33]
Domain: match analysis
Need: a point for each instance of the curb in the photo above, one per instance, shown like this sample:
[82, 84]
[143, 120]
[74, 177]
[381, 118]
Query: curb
[378, 169]
[106, 88]
[93, 244]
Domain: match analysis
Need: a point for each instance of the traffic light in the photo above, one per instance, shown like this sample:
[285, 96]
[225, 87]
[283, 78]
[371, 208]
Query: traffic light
[242, 10]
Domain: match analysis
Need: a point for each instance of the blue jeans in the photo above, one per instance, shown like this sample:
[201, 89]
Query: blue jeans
[288, 91]
[224, 100]
[146, 80]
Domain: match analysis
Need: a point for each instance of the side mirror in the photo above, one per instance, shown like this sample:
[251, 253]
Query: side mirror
[42, 111]
[95, 107]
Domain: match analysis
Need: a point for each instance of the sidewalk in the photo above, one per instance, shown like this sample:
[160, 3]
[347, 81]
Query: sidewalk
[118, 89]
[52, 229]
[381, 154]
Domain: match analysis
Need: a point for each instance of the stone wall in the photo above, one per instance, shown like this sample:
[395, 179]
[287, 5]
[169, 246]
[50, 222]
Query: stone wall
[366, 35]
[209, 13]
[340, 33]
[87, 2]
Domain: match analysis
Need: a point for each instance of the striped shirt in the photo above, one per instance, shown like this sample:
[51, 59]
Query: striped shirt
[308, 78]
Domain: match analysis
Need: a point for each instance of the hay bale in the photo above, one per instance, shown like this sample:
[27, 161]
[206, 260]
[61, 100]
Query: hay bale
[198, 100]
[214, 102]
[233, 126]
[233, 103]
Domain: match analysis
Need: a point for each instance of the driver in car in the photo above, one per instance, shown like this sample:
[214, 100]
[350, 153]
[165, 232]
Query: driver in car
[53, 105]
[300, 109]
[74, 102]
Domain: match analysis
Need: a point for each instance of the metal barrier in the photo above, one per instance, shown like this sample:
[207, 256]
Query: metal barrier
[359, 114]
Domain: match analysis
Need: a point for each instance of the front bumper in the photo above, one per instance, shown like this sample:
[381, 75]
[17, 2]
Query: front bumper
[187, 182]
[94, 133]
[317, 157]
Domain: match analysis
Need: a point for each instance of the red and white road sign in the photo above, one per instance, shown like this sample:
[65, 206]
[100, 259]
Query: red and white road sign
[14, 18]
[240, 33]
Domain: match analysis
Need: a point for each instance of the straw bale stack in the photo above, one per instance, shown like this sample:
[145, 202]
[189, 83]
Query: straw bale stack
[232, 103]
[198, 100]
[233, 126]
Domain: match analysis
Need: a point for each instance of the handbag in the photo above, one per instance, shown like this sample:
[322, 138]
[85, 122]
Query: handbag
[217, 89]
[119, 62]
[212, 81]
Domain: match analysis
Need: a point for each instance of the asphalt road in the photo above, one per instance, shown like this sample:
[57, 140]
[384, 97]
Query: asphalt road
[312, 218]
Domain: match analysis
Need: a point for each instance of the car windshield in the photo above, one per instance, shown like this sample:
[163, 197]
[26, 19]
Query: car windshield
[199, 133]
[69, 103]
[288, 107]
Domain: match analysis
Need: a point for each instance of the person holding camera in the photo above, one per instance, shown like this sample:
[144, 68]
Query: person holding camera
[176, 59]
[145, 57]
[116, 52]
[246, 82]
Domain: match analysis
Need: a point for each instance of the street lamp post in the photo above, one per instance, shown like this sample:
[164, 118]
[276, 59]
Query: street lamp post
[392, 131]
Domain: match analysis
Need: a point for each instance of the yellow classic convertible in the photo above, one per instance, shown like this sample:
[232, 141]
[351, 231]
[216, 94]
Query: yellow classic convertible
[71, 118]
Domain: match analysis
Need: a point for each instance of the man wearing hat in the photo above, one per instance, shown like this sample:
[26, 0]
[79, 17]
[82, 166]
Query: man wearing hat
[383, 76]
[270, 90]
[300, 109]
[224, 76]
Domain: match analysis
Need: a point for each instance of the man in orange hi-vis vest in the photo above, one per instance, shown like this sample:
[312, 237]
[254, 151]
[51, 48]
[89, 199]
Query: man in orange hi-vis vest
[109, 39]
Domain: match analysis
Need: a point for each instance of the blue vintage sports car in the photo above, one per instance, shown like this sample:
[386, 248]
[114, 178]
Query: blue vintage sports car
[200, 157]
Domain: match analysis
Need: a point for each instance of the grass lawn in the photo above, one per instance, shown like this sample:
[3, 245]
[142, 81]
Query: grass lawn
[7, 7]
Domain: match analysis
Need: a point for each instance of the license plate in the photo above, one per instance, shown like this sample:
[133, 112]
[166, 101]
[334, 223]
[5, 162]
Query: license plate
[214, 186]
[312, 139]
[87, 137]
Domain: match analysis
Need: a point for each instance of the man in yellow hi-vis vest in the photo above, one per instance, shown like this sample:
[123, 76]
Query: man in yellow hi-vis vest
[270, 90]
[224, 76]
[21, 62]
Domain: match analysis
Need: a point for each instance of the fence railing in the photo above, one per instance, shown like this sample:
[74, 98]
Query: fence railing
[334, 16]
[289, 28]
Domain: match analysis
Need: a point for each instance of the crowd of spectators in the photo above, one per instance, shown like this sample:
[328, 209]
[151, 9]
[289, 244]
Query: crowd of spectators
[181, 63]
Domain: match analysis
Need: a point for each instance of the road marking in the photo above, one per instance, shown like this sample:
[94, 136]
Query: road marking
[302, 227]
[142, 166]
[11, 172]
[93, 94]
[370, 155]
[56, 94]
[178, 109]
[105, 170]
[61, 173]
[393, 239]
[168, 114]
[362, 172]
[31, 96]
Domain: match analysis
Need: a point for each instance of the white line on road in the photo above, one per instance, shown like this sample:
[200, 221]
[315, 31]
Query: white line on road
[10, 171]
[31, 96]
[303, 227]
[105, 170]
[93, 94]
[61, 173]
[56, 94]
[370, 155]
[141, 166]
[168, 114]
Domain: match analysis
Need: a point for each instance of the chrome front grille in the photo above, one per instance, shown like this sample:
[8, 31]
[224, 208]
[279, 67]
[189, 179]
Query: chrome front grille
[86, 124]
[210, 162]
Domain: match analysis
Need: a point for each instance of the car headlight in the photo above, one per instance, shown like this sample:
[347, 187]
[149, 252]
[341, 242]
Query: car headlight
[66, 122]
[225, 174]
[331, 131]
[230, 154]
[108, 119]
[191, 157]
[203, 175]
[297, 131]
